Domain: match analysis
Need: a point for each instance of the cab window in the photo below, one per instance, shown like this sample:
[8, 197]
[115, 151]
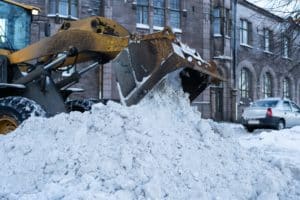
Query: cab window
[14, 26]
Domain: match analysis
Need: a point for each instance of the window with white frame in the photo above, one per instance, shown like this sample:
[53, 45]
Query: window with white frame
[159, 13]
[161, 9]
[63, 8]
[174, 13]
[245, 83]
[217, 21]
[286, 47]
[267, 85]
[142, 11]
[286, 88]
[267, 40]
[227, 23]
[245, 32]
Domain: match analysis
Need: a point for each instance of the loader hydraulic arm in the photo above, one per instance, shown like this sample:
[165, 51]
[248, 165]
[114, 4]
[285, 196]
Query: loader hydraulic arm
[94, 38]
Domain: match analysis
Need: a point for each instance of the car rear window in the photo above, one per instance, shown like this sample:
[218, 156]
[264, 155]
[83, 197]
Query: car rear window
[265, 103]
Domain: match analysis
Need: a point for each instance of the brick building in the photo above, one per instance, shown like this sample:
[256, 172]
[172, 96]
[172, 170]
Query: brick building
[262, 60]
[268, 56]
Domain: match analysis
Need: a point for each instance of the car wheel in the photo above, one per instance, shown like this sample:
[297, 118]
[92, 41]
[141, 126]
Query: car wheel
[249, 129]
[280, 125]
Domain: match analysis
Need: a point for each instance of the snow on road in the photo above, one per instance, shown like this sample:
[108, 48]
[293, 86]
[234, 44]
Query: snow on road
[281, 148]
[159, 149]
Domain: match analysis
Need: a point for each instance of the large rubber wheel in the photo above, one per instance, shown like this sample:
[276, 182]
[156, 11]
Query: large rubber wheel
[14, 110]
[280, 125]
[80, 105]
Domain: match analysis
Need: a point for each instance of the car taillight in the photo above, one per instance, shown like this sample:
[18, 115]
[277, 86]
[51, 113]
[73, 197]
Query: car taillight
[269, 112]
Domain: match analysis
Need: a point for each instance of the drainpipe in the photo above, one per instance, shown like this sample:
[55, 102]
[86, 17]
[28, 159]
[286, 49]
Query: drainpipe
[150, 15]
[234, 60]
[234, 43]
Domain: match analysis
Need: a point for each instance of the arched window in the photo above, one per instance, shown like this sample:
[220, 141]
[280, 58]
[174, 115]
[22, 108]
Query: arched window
[245, 84]
[267, 85]
[286, 88]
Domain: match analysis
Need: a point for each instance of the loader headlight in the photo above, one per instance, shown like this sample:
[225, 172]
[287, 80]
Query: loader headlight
[34, 12]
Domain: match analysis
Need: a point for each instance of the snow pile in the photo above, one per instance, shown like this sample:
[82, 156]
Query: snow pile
[281, 148]
[159, 149]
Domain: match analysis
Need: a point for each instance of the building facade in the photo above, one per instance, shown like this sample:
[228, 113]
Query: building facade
[255, 50]
[267, 56]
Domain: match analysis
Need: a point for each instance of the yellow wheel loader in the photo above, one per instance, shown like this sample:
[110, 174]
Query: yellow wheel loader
[27, 82]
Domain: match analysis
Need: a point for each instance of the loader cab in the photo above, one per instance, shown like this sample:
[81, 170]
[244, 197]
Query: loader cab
[15, 22]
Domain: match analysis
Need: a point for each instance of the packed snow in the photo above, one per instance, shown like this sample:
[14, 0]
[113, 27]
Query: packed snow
[158, 149]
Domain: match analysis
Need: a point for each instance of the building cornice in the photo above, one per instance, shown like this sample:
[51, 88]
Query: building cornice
[260, 10]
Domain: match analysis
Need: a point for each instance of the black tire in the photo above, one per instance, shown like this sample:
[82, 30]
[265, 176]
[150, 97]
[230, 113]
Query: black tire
[14, 110]
[80, 105]
[249, 129]
[280, 125]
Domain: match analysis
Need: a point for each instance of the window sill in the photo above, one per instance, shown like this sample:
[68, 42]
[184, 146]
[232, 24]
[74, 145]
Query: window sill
[158, 28]
[201, 102]
[177, 30]
[268, 52]
[223, 57]
[217, 35]
[63, 16]
[246, 45]
[287, 58]
[142, 26]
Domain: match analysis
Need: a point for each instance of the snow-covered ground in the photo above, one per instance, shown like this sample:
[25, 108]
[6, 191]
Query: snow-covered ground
[280, 148]
[159, 149]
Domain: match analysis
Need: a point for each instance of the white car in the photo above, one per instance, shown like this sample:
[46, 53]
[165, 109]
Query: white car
[273, 113]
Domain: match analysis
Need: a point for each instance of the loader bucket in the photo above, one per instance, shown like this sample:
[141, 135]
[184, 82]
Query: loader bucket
[145, 62]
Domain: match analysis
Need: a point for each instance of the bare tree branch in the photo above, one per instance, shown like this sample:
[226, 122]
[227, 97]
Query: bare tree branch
[283, 8]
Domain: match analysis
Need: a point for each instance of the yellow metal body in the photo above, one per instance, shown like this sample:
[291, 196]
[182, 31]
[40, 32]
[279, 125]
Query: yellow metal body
[94, 38]
[27, 7]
